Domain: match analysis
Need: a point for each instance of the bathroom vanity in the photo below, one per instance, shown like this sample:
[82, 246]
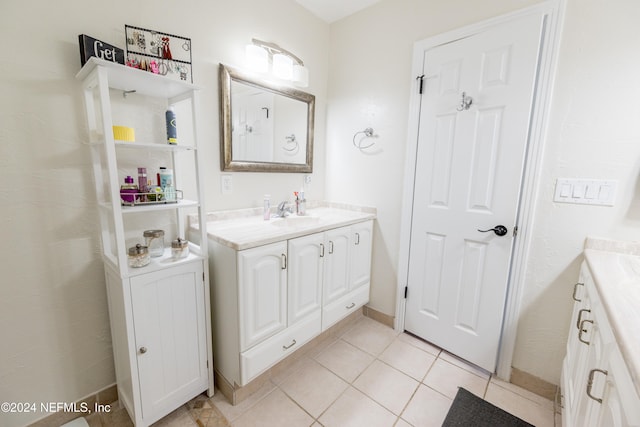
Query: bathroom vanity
[601, 370]
[277, 284]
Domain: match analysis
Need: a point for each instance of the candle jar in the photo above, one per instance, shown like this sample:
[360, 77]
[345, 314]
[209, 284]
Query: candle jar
[154, 239]
[138, 256]
[179, 248]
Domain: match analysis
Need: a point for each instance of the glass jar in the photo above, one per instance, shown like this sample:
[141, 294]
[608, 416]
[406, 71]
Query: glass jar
[154, 239]
[179, 248]
[139, 256]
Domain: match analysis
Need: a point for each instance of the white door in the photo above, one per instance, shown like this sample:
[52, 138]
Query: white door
[304, 291]
[473, 130]
[169, 320]
[262, 279]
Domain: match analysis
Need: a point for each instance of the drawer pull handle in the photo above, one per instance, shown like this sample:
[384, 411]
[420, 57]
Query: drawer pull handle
[582, 329]
[575, 290]
[590, 383]
[578, 323]
[357, 238]
[330, 247]
[321, 250]
[284, 262]
[350, 306]
[287, 347]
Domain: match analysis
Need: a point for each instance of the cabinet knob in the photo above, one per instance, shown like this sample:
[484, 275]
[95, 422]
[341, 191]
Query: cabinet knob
[143, 350]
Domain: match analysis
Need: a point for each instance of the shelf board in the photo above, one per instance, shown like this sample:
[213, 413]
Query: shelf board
[157, 264]
[152, 146]
[142, 82]
[160, 207]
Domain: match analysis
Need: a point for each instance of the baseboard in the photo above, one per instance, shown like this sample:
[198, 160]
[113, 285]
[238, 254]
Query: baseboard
[533, 384]
[378, 316]
[103, 397]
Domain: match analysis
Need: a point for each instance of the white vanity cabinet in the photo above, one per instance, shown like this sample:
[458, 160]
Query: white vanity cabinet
[270, 300]
[597, 389]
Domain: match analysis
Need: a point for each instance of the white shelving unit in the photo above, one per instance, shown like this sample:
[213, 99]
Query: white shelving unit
[160, 314]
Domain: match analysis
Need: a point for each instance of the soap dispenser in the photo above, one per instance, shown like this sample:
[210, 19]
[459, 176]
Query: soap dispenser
[266, 208]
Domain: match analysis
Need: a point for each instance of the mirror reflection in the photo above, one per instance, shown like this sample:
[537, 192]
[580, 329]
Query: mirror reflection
[265, 127]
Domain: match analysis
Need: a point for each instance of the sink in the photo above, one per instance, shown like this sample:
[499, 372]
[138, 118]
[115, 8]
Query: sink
[295, 221]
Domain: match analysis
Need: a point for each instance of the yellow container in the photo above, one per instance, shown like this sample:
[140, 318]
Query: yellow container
[123, 133]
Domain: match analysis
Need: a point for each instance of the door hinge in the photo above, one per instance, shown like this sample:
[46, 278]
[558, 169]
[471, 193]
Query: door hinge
[421, 78]
[406, 288]
[515, 231]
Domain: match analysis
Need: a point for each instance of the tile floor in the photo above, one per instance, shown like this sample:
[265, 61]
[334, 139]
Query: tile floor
[370, 376]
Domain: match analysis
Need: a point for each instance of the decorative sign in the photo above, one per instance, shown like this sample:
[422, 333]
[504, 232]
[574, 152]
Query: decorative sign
[159, 53]
[93, 47]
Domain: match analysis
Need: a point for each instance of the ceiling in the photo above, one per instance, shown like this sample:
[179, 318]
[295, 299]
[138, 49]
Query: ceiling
[334, 10]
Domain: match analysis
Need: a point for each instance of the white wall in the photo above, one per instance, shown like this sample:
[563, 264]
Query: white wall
[55, 343]
[594, 133]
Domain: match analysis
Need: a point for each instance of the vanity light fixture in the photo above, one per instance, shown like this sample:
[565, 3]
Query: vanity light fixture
[284, 64]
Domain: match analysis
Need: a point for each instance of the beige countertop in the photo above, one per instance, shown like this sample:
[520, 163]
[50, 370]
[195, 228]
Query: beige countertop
[616, 273]
[246, 228]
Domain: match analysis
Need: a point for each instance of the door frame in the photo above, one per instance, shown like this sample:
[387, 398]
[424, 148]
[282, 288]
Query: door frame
[552, 11]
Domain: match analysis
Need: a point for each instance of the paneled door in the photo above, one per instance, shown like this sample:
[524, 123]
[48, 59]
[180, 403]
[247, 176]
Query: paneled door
[472, 137]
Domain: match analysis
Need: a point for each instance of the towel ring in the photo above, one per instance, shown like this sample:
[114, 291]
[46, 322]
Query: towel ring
[291, 141]
[368, 133]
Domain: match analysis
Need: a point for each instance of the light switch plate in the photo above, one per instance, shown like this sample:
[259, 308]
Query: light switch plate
[586, 191]
[226, 184]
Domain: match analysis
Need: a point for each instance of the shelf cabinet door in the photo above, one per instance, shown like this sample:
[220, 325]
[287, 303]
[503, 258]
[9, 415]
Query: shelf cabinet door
[336, 264]
[169, 318]
[262, 283]
[304, 287]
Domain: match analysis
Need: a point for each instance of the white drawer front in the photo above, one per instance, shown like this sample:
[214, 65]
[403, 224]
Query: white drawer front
[256, 360]
[343, 307]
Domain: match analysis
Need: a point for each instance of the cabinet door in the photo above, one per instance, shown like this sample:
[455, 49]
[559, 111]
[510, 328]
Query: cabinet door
[262, 282]
[336, 264]
[169, 321]
[304, 277]
[620, 402]
[577, 348]
[361, 254]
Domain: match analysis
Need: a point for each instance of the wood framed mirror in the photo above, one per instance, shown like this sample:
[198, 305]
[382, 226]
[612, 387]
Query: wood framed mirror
[264, 127]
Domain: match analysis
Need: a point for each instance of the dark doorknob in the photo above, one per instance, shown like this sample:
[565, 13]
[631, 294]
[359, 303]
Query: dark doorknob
[500, 230]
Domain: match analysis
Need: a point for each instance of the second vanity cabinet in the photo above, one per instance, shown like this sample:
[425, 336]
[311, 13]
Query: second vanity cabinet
[270, 300]
[597, 388]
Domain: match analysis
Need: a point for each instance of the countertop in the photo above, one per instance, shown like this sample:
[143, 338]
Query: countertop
[617, 279]
[246, 228]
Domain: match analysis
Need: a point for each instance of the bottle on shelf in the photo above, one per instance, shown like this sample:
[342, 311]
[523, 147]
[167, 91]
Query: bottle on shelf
[169, 191]
[142, 184]
[172, 134]
[128, 190]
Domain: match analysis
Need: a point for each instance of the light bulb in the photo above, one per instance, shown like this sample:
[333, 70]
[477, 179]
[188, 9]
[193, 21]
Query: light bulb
[300, 75]
[257, 58]
[282, 66]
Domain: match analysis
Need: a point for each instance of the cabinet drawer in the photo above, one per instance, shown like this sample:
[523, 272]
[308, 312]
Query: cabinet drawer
[264, 355]
[346, 305]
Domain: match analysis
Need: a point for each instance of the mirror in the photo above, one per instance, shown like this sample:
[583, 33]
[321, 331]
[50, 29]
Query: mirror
[265, 127]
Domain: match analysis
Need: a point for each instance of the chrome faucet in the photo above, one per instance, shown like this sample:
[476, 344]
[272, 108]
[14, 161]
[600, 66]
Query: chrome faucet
[284, 209]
